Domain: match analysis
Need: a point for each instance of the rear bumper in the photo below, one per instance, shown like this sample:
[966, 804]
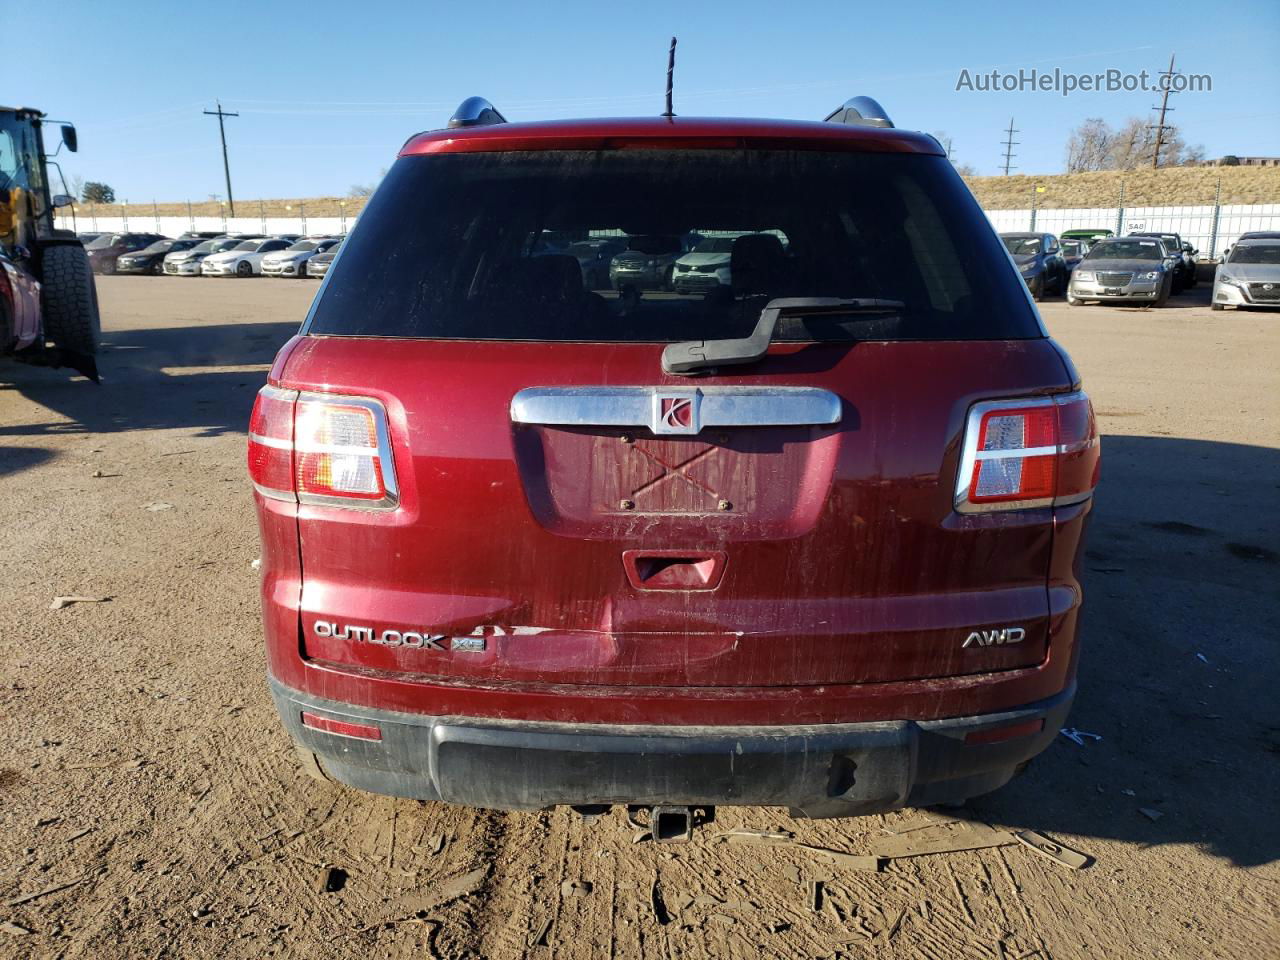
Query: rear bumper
[822, 770]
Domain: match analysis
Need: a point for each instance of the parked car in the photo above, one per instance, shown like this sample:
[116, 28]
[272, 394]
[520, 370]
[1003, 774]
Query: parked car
[292, 261]
[86, 238]
[104, 250]
[1123, 268]
[1090, 235]
[1038, 257]
[1250, 276]
[594, 256]
[705, 267]
[150, 259]
[242, 260]
[1072, 251]
[319, 265]
[186, 263]
[1173, 262]
[524, 544]
[202, 235]
[1252, 235]
[1185, 276]
[648, 262]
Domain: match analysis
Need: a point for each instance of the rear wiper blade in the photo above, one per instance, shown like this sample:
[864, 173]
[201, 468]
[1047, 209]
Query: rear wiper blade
[692, 356]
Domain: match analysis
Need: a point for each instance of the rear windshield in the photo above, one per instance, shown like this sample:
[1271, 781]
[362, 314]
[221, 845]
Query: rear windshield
[459, 246]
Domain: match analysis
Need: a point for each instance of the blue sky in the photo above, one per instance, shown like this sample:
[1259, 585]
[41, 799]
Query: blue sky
[328, 91]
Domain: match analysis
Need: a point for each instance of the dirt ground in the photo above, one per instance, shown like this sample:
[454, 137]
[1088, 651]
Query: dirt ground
[150, 805]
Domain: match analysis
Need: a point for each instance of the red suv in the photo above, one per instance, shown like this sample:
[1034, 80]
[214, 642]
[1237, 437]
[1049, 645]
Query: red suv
[808, 538]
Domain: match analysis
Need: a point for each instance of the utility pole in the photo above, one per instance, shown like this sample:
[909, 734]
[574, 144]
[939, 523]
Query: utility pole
[1164, 107]
[222, 132]
[1009, 144]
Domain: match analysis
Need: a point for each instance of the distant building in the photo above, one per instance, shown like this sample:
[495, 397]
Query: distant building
[1234, 161]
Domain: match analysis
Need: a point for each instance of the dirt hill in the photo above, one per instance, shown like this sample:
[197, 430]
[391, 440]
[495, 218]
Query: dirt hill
[1170, 187]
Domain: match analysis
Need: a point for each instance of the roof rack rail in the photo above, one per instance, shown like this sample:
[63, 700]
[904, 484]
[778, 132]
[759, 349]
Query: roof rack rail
[860, 110]
[475, 112]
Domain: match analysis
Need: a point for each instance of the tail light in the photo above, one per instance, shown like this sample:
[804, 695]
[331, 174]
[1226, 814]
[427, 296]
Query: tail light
[1038, 452]
[321, 449]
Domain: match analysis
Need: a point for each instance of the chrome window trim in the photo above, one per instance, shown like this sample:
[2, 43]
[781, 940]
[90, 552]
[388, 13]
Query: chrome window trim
[383, 451]
[643, 407]
[970, 455]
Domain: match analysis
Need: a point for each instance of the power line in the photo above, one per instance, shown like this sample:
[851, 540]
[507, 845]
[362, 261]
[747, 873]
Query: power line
[1009, 144]
[226, 166]
[1161, 127]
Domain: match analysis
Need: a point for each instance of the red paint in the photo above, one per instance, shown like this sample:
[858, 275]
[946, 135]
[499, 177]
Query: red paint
[643, 133]
[845, 597]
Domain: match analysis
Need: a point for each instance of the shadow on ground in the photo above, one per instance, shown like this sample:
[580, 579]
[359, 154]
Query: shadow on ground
[153, 379]
[17, 459]
[1180, 658]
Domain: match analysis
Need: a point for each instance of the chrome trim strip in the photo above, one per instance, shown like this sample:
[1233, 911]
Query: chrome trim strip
[273, 442]
[336, 448]
[384, 453]
[1021, 452]
[279, 393]
[997, 505]
[1073, 498]
[656, 407]
[271, 493]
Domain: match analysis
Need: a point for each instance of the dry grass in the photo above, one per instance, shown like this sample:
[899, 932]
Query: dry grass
[1175, 186]
[315, 207]
[1170, 187]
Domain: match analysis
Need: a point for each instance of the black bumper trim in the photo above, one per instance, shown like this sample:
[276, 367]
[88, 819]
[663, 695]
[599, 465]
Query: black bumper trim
[819, 771]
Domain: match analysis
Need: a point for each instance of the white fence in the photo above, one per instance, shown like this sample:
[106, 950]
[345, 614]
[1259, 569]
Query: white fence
[173, 226]
[1208, 228]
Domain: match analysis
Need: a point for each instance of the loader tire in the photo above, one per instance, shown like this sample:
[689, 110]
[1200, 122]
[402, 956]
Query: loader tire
[70, 300]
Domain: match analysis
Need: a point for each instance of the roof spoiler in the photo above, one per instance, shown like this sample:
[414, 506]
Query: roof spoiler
[475, 112]
[860, 110]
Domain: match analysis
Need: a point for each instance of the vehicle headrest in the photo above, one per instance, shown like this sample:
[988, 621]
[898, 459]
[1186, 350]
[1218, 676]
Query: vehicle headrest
[756, 262]
[546, 279]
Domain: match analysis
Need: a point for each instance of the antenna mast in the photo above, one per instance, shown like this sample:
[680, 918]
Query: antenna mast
[671, 70]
